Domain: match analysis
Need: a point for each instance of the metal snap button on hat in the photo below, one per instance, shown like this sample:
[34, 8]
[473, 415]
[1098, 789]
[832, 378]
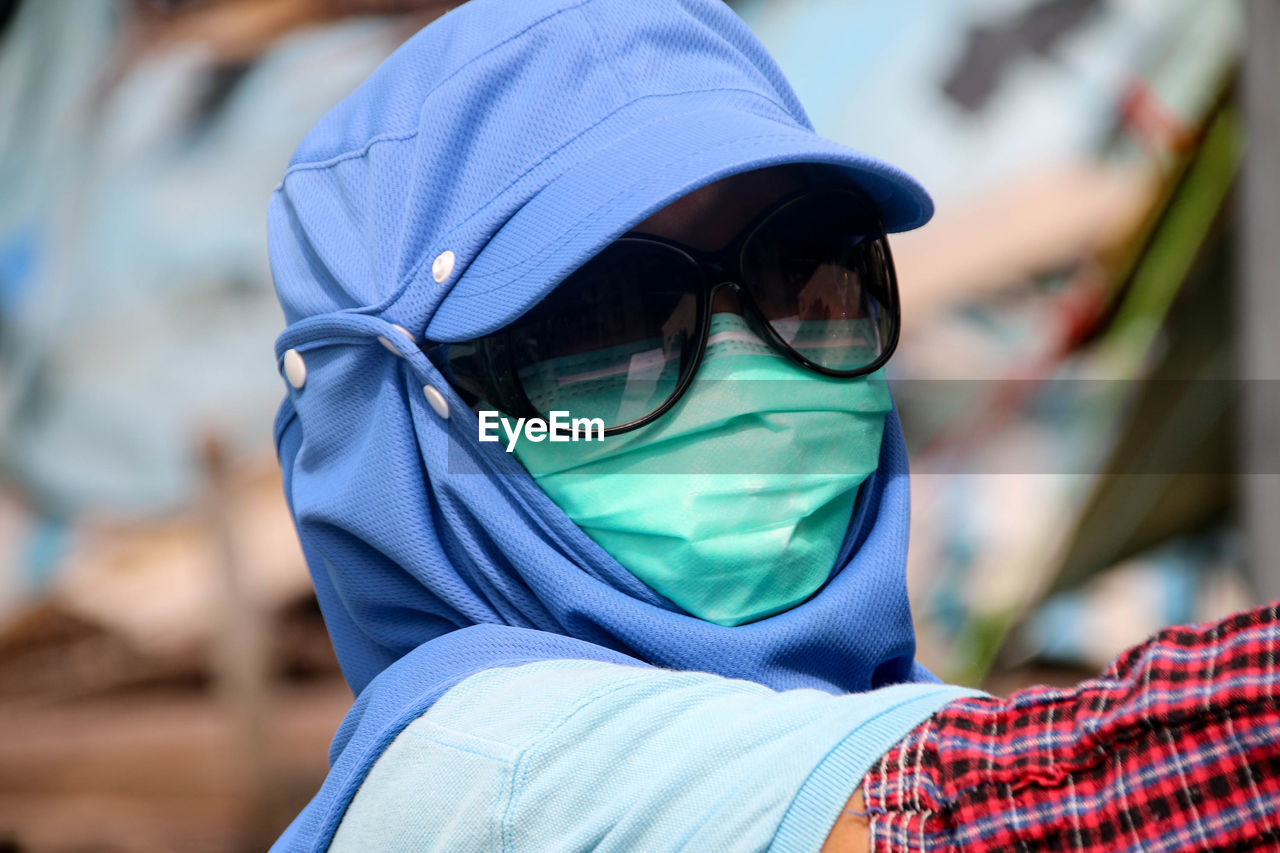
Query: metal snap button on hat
[295, 369]
[442, 266]
[437, 401]
[402, 330]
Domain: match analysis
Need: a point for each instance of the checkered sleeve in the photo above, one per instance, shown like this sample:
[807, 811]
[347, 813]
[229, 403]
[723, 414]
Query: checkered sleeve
[1176, 747]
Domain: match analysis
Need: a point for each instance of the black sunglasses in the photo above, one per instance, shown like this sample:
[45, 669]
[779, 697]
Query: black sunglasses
[621, 338]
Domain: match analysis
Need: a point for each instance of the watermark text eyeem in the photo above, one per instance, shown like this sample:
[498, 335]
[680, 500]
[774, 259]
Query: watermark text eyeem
[560, 427]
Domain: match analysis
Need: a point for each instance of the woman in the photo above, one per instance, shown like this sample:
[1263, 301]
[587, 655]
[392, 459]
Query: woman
[694, 633]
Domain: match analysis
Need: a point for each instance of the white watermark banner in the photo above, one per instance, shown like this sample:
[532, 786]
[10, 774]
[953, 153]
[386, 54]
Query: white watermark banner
[1152, 427]
[559, 427]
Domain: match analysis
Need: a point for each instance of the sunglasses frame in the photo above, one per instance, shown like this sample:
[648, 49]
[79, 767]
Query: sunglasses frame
[716, 269]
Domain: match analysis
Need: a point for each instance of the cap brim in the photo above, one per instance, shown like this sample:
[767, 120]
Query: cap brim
[642, 167]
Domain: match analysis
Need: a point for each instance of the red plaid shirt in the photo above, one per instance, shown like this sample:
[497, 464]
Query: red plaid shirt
[1175, 748]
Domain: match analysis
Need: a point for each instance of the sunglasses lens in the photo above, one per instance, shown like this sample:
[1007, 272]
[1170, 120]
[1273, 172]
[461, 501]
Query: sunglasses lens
[614, 339]
[820, 274]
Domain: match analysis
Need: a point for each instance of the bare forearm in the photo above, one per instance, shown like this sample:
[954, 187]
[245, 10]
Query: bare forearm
[851, 834]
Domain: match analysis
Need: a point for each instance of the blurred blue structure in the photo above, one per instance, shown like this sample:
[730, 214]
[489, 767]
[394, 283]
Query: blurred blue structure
[136, 302]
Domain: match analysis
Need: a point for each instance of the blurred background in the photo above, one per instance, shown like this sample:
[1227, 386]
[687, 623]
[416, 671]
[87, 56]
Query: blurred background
[1088, 375]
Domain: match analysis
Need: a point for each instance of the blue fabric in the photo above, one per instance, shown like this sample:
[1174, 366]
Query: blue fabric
[130, 225]
[522, 135]
[577, 755]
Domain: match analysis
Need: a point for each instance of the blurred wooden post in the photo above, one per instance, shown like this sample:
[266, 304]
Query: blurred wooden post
[1258, 298]
[239, 657]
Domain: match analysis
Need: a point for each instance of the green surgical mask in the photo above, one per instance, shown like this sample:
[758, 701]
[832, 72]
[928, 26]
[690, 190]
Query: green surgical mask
[734, 504]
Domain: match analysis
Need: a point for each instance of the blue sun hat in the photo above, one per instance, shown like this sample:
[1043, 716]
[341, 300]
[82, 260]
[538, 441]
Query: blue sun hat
[507, 143]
